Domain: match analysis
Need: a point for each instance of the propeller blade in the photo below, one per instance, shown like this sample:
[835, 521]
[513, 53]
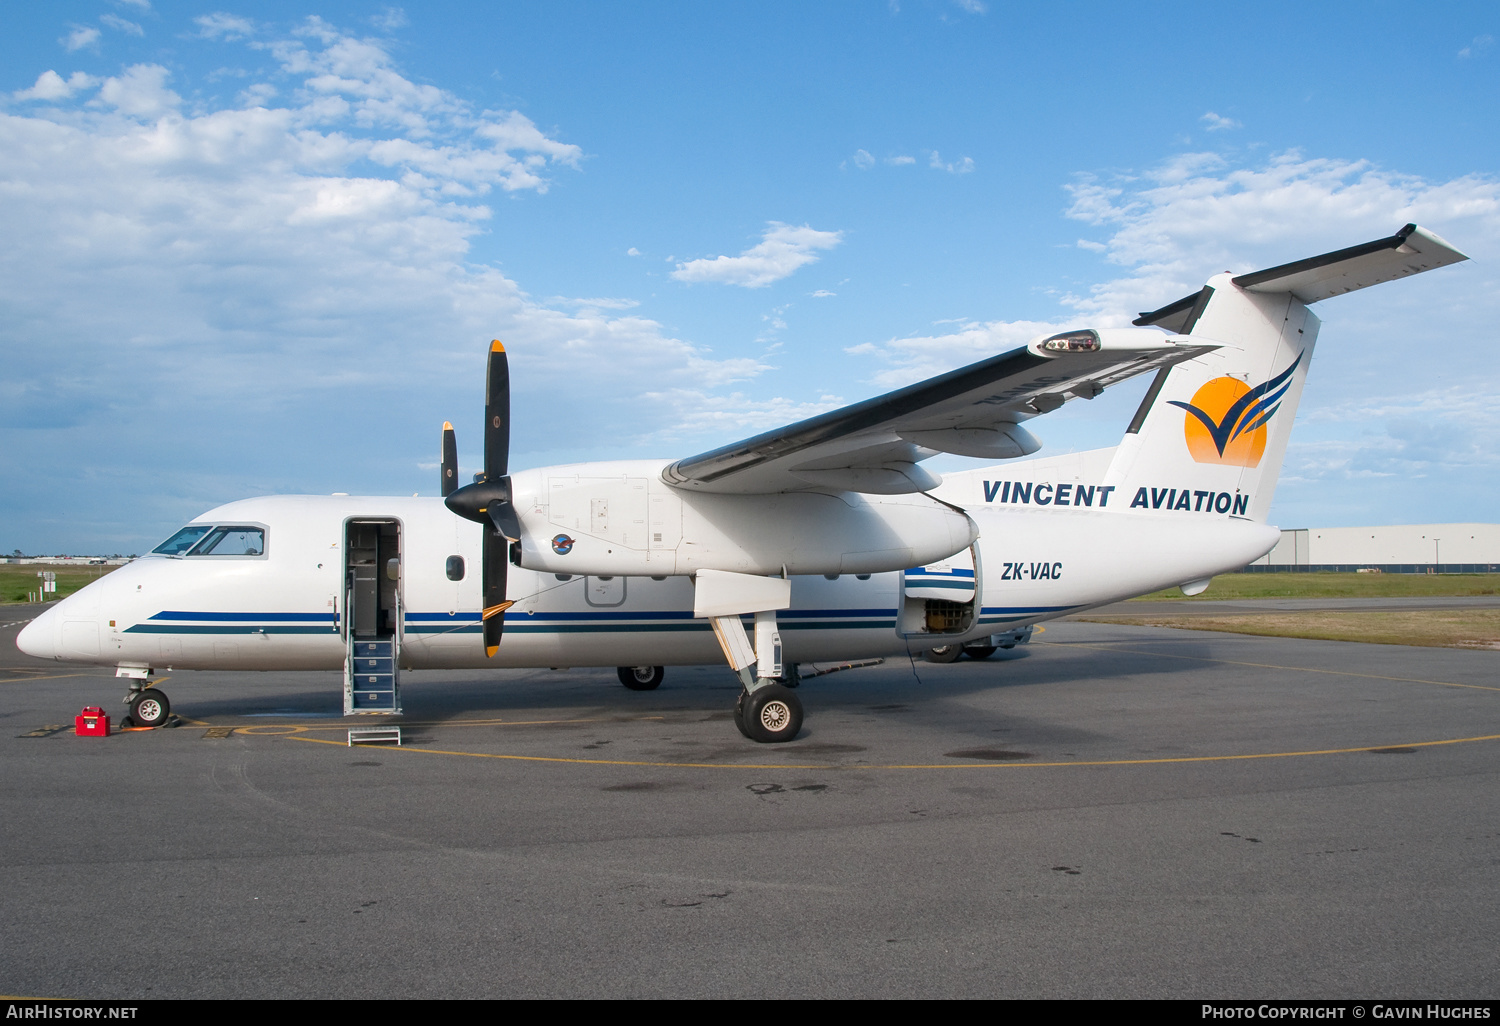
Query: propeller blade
[495, 603]
[497, 414]
[450, 460]
[488, 500]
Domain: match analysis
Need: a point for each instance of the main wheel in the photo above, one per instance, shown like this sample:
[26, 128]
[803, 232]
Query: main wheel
[944, 653]
[739, 714]
[641, 678]
[150, 708]
[979, 651]
[771, 714]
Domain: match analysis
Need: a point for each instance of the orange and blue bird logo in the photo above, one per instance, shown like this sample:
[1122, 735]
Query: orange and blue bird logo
[1226, 421]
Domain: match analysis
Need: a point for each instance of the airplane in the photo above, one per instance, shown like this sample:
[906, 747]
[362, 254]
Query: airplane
[822, 540]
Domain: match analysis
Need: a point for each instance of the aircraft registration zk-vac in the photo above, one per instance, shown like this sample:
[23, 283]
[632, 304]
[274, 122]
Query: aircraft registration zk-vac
[823, 540]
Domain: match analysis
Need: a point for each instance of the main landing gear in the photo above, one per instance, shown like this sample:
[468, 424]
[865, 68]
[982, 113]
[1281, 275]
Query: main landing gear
[641, 678]
[767, 710]
[769, 714]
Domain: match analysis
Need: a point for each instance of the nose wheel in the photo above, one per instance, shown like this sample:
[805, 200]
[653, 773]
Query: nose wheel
[149, 708]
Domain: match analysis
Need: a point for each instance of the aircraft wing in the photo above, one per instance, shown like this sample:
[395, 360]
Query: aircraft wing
[875, 445]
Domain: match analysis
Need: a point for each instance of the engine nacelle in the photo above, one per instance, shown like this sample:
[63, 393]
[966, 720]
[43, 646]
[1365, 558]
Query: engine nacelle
[621, 519]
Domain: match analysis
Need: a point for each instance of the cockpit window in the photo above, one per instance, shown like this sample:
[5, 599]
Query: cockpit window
[182, 540]
[232, 541]
[215, 540]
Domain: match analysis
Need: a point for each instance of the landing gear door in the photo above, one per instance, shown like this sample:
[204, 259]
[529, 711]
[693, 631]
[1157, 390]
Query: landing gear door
[941, 598]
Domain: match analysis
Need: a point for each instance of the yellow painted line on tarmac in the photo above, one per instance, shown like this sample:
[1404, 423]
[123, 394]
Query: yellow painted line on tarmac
[288, 729]
[55, 676]
[915, 766]
[1265, 666]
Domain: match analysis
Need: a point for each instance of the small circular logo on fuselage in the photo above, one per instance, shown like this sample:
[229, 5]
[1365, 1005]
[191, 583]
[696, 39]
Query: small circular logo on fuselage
[562, 545]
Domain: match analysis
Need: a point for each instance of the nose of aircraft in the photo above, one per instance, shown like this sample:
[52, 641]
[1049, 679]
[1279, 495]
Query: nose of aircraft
[39, 637]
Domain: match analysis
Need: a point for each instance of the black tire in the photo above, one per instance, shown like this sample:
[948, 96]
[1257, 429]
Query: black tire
[944, 653]
[772, 714]
[739, 715]
[979, 651]
[641, 678]
[150, 708]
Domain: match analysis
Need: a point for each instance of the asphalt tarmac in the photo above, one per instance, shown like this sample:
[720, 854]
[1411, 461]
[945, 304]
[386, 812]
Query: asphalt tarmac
[1111, 811]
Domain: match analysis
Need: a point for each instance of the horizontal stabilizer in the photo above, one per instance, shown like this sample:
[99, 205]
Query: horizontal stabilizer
[1410, 251]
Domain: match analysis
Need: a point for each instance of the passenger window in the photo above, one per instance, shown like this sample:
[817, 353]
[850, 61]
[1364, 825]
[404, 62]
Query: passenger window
[455, 568]
[232, 541]
[393, 568]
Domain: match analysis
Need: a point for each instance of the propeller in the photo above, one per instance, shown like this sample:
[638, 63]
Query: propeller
[450, 460]
[488, 500]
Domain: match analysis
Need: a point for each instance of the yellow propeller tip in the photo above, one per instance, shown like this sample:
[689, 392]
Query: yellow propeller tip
[490, 650]
[447, 426]
[496, 346]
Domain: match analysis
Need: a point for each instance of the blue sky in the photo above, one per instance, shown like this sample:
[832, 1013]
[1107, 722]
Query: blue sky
[262, 249]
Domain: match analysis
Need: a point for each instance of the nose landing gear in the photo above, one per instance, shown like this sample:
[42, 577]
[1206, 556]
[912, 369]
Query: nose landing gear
[148, 707]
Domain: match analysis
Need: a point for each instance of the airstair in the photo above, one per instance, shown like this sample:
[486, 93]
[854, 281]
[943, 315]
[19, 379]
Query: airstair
[372, 677]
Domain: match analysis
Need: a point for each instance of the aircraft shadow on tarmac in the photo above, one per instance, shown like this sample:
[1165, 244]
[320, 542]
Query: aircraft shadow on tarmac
[438, 696]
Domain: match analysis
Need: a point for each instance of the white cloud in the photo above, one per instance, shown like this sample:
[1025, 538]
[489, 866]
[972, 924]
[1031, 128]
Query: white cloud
[697, 415]
[141, 92]
[960, 167]
[1433, 433]
[1478, 45]
[972, 6]
[823, 294]
[920, 356]
[228, 27]
[390, 19]
[863, 160]
[632, 251]
[258, 95]
[119, 24]
[600, 303]
[900, 160]
[1217, 123]
[1176, 225]
[1193, 216]
[783, 248]
[51, 86]
[79, 38]
[270, 274]
[1093, 247]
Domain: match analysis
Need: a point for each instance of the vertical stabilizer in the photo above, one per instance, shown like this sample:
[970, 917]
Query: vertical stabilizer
[1211, 433]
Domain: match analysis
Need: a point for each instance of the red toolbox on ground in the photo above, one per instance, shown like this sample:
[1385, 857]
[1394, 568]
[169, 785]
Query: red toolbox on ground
[92, 722]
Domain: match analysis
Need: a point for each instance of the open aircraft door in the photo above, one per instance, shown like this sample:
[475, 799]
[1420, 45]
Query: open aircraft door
[940, 598]
[373, 616]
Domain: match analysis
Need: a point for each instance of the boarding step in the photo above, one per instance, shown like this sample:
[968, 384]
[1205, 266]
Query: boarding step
[369, 735]
[371, 682]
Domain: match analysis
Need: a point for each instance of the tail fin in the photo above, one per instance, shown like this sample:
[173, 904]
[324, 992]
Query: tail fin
[1211, 433]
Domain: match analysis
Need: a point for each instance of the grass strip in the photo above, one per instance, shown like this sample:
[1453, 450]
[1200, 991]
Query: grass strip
[1436, 628]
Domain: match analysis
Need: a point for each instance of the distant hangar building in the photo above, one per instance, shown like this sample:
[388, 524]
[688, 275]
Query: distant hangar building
[1397, 549]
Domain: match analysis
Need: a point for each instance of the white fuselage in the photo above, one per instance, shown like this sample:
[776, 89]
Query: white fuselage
[284, 609]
